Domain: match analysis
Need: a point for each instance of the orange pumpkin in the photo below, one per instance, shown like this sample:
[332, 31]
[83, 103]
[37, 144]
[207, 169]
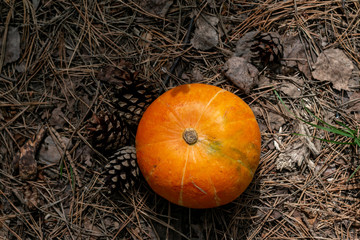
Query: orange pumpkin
[198, 146]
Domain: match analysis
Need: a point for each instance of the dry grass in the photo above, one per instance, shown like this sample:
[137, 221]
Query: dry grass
[63, 46]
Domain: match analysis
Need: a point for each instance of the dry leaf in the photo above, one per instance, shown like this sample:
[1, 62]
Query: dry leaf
[291, 89]
[334, 66]
[49, 153]
[258, 112]
[196, 75]
[354, 102]
[260, 49]
[12, 48]
[243, 45]
[243, 74]
[31, 197]
[157, 7]
[91, 228]
[25, 160]
[147, 36]
[57, 118]
[292, 156]
[294, 55]
[276, 121]
[206, 36]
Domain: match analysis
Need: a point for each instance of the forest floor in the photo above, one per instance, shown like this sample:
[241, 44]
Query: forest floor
[307, 52]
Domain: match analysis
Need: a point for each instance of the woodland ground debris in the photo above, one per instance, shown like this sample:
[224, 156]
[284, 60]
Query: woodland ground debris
[51, 54]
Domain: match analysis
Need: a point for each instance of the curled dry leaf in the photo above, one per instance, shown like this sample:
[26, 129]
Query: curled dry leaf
[292, 156]
[334, 66]
[243, 74]
[206, 36]
[25, 160]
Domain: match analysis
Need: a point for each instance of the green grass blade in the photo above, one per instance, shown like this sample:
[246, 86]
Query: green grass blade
[353, 174]
[325, 140]
[319, 119]
[283, 103]
[349, 130]
[332, 130]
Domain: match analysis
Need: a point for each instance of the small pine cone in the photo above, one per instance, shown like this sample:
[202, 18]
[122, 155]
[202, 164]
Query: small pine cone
[122, 171]
[130, 95]
[261, 49]
[107, 132]
[132, 99]
[267, 50]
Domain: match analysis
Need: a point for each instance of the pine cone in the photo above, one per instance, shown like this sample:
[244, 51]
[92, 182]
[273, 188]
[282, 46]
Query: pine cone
[107, 132]
[122, 171]
[267, 50]
[260, 49]
[130, 95]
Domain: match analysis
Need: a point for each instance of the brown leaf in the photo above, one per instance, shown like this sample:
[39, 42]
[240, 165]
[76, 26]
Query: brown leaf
[276, 121]
[292, 156]
[49, 153]
[31, 197]
[117, 75]
[243, 74]
[206, 36]
[334, 66]
[354, 102]
[25, 159]
[91, 228]
[157, 7]
[291, 89]
[57, 117]
[12, 48]
[243, 45]
[295, 56]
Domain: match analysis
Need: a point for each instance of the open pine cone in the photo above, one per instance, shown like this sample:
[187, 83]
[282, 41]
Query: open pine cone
[110, 133]
[107, 132]
[130, 95]
[122, 171]
[267, 49]
[260, 49]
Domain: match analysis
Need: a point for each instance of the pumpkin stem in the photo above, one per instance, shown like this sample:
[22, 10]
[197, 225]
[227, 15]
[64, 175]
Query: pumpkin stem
[190, 136]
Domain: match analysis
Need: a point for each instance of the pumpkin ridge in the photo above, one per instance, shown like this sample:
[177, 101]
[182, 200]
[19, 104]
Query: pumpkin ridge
[208, 104]
[181, 125]
[180, 201]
